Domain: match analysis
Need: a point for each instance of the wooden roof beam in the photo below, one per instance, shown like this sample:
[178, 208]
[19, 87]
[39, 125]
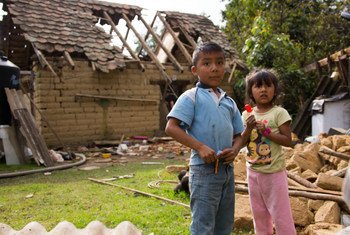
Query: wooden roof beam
[93, 66]
[177, 40]
[69, 59]
[342, 70]
[125, 43]
[188, 37]
[144, 44]
[147, 34]
[326, 60]
[44, 62]
[171, 57]
[126, 38]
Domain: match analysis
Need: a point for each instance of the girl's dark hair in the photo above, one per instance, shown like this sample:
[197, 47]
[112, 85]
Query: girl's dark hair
[204, 48]
[260, 77]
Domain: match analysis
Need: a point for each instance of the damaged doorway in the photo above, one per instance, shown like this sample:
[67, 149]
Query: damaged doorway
[171, 95]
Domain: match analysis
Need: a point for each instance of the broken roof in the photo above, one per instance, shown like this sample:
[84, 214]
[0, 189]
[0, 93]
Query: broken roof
[59, 27]
[199, 26]
[56, 25]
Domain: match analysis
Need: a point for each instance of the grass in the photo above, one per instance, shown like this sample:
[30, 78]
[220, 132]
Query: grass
[68, 195]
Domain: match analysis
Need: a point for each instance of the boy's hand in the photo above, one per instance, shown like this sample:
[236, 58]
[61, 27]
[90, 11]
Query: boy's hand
[229, 155]
[207, 154]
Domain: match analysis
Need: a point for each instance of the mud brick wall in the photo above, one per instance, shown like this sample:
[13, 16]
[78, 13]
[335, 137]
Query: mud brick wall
[81, 120]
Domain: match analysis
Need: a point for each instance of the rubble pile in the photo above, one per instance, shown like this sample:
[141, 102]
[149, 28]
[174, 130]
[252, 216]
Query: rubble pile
[315, 174]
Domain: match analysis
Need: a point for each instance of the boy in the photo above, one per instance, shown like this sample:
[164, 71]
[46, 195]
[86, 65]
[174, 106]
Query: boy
[205, 119]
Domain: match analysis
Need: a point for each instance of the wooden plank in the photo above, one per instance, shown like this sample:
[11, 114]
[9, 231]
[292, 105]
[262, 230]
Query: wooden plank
[177, 40]
[144, 44]
[160, 43]
[125, 38]
[28, 127]
[25, 131]
[147, 34]
[125, 43]
[116, 98]
[188, 37]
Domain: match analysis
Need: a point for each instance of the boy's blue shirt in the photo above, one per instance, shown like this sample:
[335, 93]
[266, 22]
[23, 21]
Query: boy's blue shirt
[214, 124]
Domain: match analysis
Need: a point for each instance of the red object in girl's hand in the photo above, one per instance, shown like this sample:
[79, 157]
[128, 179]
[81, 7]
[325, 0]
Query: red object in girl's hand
[248, 108]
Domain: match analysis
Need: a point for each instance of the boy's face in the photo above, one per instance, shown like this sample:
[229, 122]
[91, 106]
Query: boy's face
[210, 68]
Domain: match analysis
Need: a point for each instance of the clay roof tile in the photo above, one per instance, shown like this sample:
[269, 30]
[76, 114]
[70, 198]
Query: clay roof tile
[59, 25]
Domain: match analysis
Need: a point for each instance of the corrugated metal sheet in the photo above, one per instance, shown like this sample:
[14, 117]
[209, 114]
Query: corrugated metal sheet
[67, 228]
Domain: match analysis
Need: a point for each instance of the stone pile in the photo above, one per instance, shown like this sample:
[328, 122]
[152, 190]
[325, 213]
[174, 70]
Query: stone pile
[315, 174]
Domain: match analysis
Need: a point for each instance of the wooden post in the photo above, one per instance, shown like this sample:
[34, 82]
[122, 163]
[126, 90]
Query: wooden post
[177, 41]
[301, 180]
[232, 71]
[329, 151]
[140, 192]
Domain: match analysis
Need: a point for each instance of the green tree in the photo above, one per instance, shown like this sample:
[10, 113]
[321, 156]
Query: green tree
[287, 35]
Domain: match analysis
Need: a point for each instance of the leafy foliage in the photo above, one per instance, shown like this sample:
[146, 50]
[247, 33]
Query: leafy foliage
[287, 35]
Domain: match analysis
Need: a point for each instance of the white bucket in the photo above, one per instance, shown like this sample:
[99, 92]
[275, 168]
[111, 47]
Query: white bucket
[11, 147]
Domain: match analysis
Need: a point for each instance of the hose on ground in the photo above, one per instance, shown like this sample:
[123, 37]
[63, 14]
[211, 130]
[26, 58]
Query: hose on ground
[46, 169]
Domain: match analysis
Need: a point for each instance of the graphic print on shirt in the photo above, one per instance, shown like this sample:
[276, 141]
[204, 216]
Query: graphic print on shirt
[259, 151]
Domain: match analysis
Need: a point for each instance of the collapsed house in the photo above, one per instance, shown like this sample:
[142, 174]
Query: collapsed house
[81, 86]
[328, 109]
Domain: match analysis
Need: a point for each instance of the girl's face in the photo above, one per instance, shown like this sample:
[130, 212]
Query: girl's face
[264, 93]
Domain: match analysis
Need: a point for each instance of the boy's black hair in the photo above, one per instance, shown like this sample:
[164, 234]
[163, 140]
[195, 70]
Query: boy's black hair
[260, 77]
[204, 48]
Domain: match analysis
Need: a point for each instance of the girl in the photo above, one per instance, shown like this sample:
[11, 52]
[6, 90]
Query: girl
[267, 129]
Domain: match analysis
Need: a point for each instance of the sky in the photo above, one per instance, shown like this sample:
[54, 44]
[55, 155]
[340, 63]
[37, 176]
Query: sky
[211, 8]
[2, 12]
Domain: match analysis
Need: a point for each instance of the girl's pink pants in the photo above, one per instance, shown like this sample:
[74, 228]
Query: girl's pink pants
[270, 203]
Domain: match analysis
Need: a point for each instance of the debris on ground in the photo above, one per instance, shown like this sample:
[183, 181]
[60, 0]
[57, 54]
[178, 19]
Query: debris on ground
[315, 175]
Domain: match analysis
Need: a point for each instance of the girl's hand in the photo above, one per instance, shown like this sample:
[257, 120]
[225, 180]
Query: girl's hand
[207, 154]
[260, 125]
[229, 155]
[250, 122]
